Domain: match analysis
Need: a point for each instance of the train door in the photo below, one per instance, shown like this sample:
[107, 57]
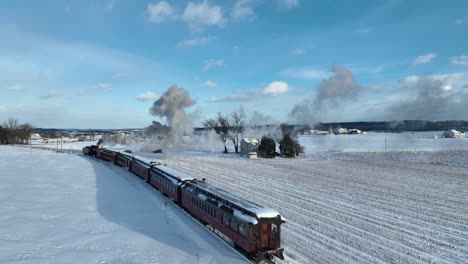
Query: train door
[274, 236]
[264, 235]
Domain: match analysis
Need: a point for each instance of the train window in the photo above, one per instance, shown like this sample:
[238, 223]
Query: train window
[233, 224]
[243, 229]
[226, 220]
[274, 231]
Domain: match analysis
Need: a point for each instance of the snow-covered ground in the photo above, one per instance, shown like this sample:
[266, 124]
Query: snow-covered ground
[61, 208]
[352, 209]
[70, 147]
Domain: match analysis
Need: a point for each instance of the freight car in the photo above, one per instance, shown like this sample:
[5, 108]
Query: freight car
[253, 229]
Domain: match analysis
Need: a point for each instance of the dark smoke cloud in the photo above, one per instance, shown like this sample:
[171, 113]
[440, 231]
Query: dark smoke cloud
[341, 86]
[435, 100]
[171, 106]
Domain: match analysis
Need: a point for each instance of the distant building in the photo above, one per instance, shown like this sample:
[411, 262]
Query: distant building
[249, 145]
[36, 136]
[452, 133]
[354, 131]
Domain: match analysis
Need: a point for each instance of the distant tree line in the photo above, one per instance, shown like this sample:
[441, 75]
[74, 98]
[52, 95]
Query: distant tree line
[396, 126]
[12, 132]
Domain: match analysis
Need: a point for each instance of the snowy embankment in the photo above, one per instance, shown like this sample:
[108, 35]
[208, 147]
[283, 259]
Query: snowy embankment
[58, 208]
[366, 210]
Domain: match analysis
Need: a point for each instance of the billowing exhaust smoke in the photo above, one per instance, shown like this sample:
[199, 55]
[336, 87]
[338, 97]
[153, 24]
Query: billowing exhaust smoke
[171, 107]
[340, 87]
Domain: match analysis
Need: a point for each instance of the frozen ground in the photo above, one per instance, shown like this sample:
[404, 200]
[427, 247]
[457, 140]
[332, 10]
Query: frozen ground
[397, 207]
[60, 208]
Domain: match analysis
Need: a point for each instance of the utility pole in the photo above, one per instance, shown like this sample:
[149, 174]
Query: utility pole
[385, 140]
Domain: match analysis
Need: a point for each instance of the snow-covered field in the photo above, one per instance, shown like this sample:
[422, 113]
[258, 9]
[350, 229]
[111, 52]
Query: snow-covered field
[61, 208]
[353, 209]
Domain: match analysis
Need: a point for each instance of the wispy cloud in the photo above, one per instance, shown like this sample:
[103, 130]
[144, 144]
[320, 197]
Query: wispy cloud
[203, 14]
[213, 64]
[195, 42]
[304, 73]
[51, 94]
[17, 88]
[243, 10]
[299, 52]
[3, 109]
[148, 96]
[461, 20]
[110, 4]
[459, 60]
[423, 59]
[160, 12]
[273, 89]
[288, 4]
[105, 87]
[362, 31]
[210, 84]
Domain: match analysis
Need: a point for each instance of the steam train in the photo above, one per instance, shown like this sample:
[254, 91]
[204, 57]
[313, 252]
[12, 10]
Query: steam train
[254, 230]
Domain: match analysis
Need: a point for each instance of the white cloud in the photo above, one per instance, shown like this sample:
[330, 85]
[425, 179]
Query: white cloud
[213, 64]
[51, 94]
[18, 88]
[459, 60]
[210, 84]
[288, 3]
[199, 15]
[276, 87]
[423, 59]
[306, 73]
[243, 10]
[299, 52]
[195, 42]
[105, 86]
[148, 96]
[449, 81]
[160, 12]
[3, 109]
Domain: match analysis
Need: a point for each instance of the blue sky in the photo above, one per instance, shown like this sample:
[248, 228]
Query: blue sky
[103, 63]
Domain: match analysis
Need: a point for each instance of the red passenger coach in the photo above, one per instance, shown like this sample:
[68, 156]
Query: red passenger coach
[168, 181]
[141, 167]
[252, 228]
[108, 155]
[123, 160]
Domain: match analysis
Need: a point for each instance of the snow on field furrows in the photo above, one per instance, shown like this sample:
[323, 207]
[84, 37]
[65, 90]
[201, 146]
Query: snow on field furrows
[60, 208]
[356, 210]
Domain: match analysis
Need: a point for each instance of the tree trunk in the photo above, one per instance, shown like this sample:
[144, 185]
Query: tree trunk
[236, 147]
[225, 149]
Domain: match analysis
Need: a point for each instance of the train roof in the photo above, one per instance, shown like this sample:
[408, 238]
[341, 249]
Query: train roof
[173, 174]
[247, 208]
[145, 161]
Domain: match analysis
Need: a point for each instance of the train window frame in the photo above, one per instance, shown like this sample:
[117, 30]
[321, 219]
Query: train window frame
[234, 225]
[226, 220]
[243, 229]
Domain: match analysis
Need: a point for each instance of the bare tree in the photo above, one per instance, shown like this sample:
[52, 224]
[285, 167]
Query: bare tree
[236, 125]
[220, 124]
[12, 132]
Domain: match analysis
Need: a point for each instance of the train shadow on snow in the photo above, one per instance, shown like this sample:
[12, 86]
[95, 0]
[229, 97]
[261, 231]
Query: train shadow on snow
[125, 199]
